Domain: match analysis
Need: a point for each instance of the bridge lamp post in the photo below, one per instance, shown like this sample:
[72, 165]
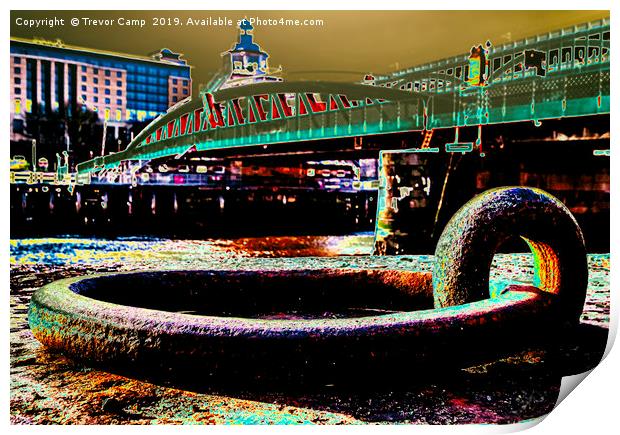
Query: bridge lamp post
[34, 155]
[105, 128]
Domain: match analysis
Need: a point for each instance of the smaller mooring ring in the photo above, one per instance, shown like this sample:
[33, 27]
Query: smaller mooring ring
[472, 237]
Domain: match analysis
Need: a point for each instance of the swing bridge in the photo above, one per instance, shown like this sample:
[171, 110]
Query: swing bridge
[564, 73]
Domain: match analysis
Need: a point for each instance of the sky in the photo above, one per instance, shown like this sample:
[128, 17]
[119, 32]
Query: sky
[347, 45]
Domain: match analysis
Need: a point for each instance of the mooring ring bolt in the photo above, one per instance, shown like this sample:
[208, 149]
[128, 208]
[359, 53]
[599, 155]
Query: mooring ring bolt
[472, 237]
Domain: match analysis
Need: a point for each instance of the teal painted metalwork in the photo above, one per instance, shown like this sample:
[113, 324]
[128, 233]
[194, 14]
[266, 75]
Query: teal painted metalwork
[563, 73]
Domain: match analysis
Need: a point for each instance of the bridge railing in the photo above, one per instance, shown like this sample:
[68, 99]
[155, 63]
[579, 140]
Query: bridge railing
[594, 34]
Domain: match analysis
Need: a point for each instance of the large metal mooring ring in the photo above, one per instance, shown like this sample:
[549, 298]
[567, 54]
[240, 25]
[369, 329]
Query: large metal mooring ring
[140, 318]
[471, 238]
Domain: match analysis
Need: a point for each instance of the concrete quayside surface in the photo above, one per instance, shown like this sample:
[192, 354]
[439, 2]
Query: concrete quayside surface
[49, 388]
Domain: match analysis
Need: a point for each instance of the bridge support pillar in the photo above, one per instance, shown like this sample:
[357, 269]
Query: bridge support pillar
[403, 222]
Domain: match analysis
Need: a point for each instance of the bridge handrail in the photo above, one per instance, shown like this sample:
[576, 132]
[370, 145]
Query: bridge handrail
[565, 33]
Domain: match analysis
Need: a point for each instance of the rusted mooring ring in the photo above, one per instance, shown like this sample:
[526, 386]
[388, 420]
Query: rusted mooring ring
[469, 241]
[127, 318]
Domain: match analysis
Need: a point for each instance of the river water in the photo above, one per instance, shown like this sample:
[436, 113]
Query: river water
[49, 388]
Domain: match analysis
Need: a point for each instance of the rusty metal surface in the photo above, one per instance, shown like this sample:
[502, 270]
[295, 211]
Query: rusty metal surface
[103, 332]
[468, 243]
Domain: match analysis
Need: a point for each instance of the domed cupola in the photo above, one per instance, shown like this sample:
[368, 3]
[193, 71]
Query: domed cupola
[247, 58]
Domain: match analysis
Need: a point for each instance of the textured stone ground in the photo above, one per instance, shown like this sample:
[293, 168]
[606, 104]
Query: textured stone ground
[49, 388]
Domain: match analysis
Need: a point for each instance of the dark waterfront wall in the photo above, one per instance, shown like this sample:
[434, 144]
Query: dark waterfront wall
[193, 212]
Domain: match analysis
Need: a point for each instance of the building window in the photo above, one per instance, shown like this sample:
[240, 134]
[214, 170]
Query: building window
[96, 99]
[84, 88]
[107, 73]
[119, 92]
[184, 91]
[17, 60]
[95, 70]
[96, 90]
[96, 80]
[107, 82]
[83, 78]
[119, 84]
[84, 98]
[175, 91]
[107, 101]
[18, 81]
[174, 99]
[119, 102]
[119, 74]
[107, 92]
[17, 70]
[185, 83]
[83, 69]
[174, 81]
[18, 91]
